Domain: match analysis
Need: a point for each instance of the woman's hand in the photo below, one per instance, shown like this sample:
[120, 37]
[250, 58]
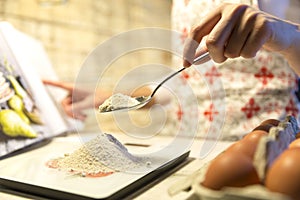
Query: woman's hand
[77, 99]
[234, 30]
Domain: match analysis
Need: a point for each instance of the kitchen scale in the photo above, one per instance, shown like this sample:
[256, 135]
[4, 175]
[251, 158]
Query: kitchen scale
[27, 173]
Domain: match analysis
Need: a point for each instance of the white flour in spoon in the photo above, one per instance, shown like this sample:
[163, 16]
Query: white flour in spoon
[117, 101]
[100, 156]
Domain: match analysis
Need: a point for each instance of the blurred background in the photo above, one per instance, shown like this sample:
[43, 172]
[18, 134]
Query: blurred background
[70, 29]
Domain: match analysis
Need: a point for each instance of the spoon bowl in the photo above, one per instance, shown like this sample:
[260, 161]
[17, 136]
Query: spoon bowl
[142, 101]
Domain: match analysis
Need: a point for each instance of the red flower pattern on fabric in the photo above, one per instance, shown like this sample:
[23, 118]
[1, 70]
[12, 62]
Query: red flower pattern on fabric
[179, 113]
[291, 108]
[251, 108]
[287, 78]
[272, 107]
[255, 88]
[212, 74]
[210, 112]
[265, 59]
[264, 75]
[184, 35]
[185, 75]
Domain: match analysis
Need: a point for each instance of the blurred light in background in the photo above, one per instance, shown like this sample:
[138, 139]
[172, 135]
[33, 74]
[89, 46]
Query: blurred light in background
[51, 2]
[70, 29]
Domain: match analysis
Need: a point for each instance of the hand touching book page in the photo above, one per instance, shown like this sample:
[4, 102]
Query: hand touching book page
[28, 114]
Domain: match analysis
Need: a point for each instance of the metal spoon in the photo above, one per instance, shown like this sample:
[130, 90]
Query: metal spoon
[143, 100]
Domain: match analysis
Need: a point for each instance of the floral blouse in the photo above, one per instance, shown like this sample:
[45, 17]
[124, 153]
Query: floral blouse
[228, 100]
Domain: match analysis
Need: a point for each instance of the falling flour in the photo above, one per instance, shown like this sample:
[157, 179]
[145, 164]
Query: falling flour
[100, 156]
[117, 101]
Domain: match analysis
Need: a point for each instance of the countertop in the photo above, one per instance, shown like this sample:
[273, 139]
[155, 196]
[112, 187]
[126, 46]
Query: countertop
[157, 189]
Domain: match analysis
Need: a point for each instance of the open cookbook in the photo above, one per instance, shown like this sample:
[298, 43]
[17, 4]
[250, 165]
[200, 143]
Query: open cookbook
[28, 111]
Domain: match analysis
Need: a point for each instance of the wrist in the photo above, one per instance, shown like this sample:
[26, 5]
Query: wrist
[292, 53]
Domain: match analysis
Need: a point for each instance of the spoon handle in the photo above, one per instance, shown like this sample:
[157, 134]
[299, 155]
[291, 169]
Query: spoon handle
[166, 79]
[201, 57]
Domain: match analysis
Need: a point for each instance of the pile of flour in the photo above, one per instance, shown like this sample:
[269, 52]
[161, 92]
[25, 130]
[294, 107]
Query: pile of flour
[117, 101]
[102, 155]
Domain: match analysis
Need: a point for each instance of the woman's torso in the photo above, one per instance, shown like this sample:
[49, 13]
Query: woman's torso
[237, 94]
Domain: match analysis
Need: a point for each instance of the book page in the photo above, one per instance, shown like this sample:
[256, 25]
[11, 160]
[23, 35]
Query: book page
[42, 66]
[28, 114]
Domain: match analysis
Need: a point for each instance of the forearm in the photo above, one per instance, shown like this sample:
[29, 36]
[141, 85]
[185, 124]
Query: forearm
[292, 54]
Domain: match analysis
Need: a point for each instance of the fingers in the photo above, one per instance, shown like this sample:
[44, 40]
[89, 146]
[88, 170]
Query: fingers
[232, 30]
[189, 52]
[260, 34]
[80, 116]
[63, 85]
[67, 106]
[196, 36]
[241, 32]
[199, 53]
[218, 37]
[80, 106]
[67, 101]
[74, 110]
